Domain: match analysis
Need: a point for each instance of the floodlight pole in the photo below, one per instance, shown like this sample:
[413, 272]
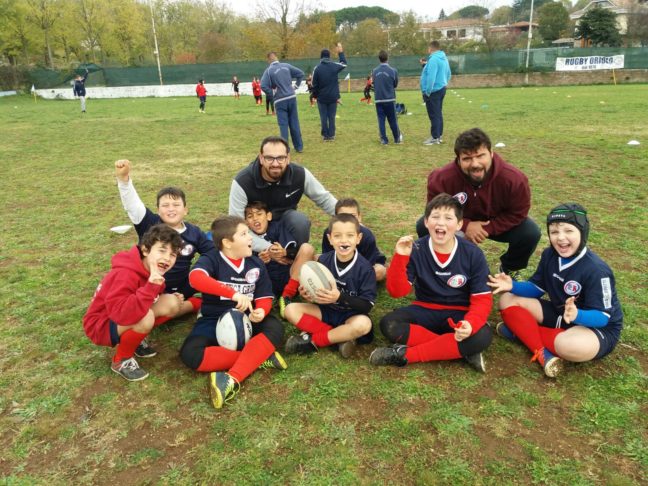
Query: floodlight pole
[526, 70]
[157, 51]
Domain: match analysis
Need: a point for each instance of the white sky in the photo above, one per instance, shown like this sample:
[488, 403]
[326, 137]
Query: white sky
[427, 9]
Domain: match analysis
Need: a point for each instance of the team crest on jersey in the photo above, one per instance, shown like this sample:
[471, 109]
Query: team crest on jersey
[457, 281]
[462, 197]
[252, 275]
[572, 287]
[187, 250]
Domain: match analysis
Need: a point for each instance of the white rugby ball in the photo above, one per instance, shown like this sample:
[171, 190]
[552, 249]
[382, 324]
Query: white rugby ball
[314, 276]
[233, 330]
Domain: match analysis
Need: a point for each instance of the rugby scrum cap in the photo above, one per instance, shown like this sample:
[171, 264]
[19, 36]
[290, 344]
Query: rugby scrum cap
[325, 53]
[574, 214]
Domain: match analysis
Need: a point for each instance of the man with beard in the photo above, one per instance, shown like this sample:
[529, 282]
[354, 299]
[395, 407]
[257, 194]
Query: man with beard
[495, 197]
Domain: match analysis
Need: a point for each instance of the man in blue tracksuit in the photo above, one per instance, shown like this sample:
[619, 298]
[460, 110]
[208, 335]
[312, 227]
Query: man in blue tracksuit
[385, 81]
[434, 79]
[276, 82]
[327, 90]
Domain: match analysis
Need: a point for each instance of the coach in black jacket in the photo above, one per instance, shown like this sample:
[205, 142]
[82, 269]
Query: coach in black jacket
[272, 179]
[327, 90]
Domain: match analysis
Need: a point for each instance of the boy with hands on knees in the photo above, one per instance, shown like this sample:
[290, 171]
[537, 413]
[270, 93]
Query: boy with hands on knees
[582, 319]
[447, 319]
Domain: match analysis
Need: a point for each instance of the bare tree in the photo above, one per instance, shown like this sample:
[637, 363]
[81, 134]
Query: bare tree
[280, 18]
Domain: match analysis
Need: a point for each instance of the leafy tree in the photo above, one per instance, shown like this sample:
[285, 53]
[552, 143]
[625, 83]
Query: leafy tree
[522, 8]
[442, 15]
[637, 33]
[366, 39]
[354, 15]
[470, 12]
[553, 20]
[44, 14]
[502, 16]
[598, 27]
[406, 37]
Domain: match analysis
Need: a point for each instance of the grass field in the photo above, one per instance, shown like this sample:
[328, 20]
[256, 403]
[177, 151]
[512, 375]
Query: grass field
[65, 418]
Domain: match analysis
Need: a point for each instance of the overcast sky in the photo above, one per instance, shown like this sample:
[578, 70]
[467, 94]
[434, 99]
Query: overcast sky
[427, 9]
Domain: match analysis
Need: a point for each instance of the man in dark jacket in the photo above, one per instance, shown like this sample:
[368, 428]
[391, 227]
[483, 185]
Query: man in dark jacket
[495, 195]
[280, 184]
[327, 90]
[385, 81]
[79, 88]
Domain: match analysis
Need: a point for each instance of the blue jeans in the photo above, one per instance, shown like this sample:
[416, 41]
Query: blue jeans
[327, 118]
[434, 105]
[387, 110]
[288, 119]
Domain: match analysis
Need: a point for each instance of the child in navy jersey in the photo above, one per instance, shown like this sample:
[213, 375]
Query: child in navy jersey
[367, 246]
[337, 316]
[232, 278]
[447, 319]
[283, 254]
[171, 210]
[582, 319]
[130, 299]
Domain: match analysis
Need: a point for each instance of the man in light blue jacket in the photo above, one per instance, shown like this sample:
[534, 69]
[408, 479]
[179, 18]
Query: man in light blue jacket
[276, 82]
[434, 79]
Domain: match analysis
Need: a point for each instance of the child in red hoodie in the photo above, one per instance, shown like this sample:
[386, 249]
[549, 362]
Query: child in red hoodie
[130, 297]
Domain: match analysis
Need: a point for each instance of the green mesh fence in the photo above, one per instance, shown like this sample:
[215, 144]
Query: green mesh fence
[359, 67]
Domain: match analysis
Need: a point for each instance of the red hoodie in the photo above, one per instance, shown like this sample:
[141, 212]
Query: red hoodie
[503, 198]
[201, 90]
[124, 296]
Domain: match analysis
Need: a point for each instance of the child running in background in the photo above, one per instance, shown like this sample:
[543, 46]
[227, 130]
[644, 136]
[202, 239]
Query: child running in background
[232, 278]
[367, 90]
[582, 319]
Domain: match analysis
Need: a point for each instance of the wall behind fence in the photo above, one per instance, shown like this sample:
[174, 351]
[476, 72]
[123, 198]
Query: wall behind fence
[541, 60]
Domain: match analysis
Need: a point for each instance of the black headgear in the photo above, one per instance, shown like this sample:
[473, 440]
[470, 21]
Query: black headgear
[574, 214]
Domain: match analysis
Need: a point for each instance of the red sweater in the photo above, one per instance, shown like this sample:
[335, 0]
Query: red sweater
[503, 198]
[201, 90]
[124, 296]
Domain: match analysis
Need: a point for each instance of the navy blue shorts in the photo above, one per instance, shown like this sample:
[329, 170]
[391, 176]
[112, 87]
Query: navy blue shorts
[336, 318]
[435, 320]
[114, 335]
[607, 336]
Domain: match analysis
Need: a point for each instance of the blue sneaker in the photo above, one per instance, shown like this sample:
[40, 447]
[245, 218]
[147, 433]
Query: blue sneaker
[502, 330]
[552, 365]
[222, 388]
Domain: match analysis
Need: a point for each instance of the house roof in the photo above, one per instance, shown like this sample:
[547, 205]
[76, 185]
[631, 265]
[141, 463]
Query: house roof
[450, 23]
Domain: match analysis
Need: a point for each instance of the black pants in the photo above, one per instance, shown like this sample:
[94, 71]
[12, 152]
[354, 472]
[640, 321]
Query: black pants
[522, 241]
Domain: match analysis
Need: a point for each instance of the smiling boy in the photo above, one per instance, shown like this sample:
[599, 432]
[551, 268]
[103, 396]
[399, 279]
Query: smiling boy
[127, 302]
[340, 315]
[447, 320]
[582, 319]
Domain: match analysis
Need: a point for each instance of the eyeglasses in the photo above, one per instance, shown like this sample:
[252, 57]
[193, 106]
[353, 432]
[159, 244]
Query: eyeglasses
[281, 158]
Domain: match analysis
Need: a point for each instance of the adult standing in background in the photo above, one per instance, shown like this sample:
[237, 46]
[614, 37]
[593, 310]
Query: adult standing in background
[79, 89]
[385, 81]
[327, 90]
[434, 79]
[277, 83]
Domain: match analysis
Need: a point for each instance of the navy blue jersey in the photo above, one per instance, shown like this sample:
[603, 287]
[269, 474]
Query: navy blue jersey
[586, 277]
[279, 274]
[357, 279]
[465, 273]
[367, 247]
[194, 241]
[249, 278]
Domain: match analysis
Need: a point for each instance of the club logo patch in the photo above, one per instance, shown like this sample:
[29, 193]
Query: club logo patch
[187, 250]
[572, 287]
[462, 197]
[252, 275]
[457, 281]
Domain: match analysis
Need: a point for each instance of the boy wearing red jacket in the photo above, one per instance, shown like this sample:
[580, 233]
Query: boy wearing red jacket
[128, 300]
[201, 93]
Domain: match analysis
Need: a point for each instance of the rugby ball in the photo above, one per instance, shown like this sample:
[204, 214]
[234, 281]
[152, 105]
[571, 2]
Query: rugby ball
[233, 330]
[314, 276]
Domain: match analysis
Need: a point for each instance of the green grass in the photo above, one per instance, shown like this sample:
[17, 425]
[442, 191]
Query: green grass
[65, 418]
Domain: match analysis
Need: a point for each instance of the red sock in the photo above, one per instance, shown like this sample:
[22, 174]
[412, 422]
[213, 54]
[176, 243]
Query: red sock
[321, 339]
[218, 358]
[160, 320]
[419, 335]
[290, 290]
[548, 336]
[196, 302]
[128, 343]
[522, 323]
[312, 325]
[255, 352]
[443, 348]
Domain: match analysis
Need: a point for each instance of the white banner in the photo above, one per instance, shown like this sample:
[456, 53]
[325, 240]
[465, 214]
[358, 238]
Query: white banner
[589, 63]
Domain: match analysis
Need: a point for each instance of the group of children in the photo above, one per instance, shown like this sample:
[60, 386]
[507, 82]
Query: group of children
[453, 292]
[201, 93]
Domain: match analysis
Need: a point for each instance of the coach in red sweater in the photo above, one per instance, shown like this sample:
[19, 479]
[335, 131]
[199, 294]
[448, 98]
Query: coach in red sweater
[495, 196]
